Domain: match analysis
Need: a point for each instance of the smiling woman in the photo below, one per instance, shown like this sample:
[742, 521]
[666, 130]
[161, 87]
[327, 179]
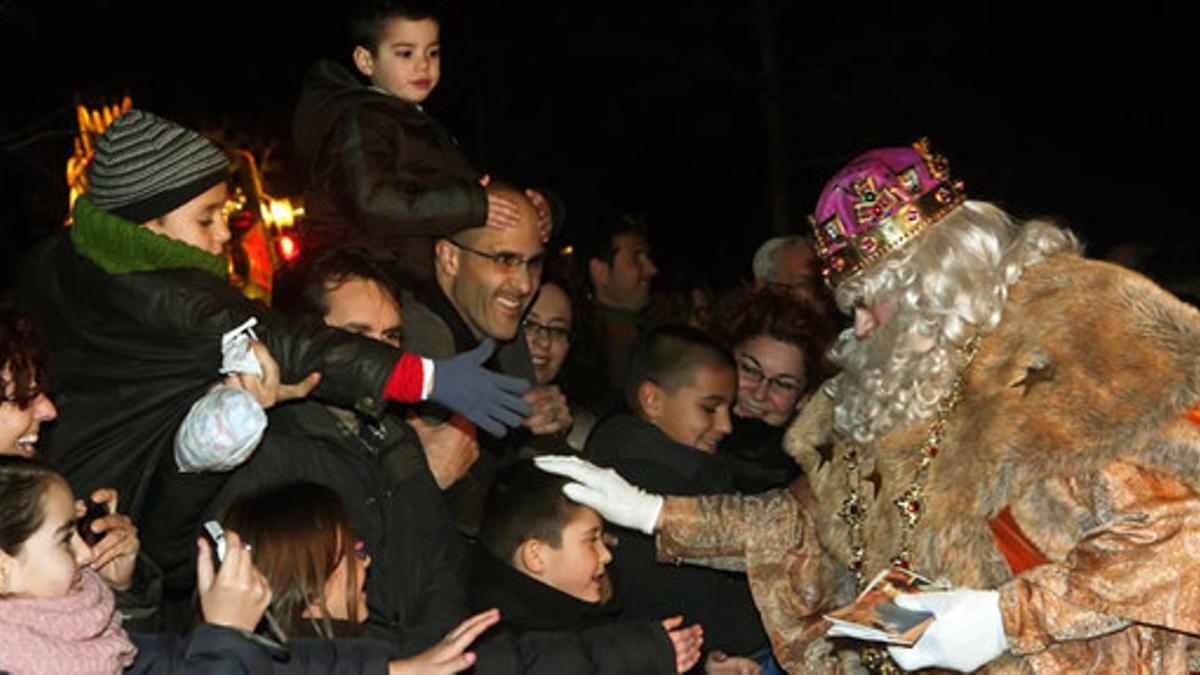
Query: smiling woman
[23, 403]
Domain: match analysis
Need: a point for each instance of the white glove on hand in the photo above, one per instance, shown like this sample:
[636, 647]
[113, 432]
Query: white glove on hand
[604, 490]
[967, 632]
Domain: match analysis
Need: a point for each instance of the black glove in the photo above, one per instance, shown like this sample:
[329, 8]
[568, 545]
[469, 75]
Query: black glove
[489, 399]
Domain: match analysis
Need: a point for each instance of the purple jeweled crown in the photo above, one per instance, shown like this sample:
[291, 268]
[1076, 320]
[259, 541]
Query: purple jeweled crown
[878, 202]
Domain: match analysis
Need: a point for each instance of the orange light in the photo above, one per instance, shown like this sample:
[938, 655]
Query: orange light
[288, 248]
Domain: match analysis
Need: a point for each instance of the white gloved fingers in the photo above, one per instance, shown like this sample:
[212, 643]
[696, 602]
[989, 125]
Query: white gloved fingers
[582, 494]
[569, 466]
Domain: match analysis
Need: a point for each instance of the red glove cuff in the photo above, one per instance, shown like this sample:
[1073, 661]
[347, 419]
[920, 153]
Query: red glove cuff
[407, 381]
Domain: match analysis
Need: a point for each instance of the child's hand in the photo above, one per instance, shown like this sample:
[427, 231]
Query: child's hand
[115, 556]
[720, 663]
[542, 207]
[450, 655]
[268, 390]
[238, 594]
[686, 641]
[502, 213]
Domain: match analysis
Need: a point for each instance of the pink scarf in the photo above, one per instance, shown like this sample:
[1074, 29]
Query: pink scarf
[80, 633]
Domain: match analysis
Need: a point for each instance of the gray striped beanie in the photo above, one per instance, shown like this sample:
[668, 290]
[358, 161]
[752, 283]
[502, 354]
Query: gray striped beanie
[146, 167]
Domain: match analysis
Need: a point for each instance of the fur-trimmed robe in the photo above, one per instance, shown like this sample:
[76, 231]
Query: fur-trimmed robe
[1079, 415]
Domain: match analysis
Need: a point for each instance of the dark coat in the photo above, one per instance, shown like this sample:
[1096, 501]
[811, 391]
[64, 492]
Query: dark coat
[217, 650]
[132, 351]
[437, 331]
[381, 172]
[719, 601]
[556, 633]
[415, 585]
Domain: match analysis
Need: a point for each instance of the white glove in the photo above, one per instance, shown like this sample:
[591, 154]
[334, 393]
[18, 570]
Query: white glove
[604, 490]
[967, 632]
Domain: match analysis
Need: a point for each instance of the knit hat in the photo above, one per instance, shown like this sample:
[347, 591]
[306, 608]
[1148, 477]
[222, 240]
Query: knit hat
[146, 166]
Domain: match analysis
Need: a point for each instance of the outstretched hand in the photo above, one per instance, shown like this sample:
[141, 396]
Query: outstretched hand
[489, 399]
[450, 655]
[685, 641]
[606, 491]
[268, 390]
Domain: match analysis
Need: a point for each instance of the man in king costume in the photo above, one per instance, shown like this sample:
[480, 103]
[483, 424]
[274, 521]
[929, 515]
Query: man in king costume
[1010, 417]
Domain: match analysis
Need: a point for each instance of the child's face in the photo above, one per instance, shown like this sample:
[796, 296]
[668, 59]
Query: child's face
[696, 414]
[199, 222]
[407, 62]
[47, 567]
[576, 567]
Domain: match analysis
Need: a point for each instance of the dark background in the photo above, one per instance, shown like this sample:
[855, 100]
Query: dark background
[661, 107]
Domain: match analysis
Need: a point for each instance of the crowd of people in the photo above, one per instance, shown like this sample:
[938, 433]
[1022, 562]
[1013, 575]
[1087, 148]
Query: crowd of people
[445, 447]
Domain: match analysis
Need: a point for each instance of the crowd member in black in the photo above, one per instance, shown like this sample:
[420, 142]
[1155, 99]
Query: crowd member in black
[484, 280]
[779, 344]
[681, 384]
[541, 561]
[137, 309]
[372, 458]
[615, 261]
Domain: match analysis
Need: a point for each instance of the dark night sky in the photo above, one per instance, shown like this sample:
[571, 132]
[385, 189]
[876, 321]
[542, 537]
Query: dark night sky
[658, 107]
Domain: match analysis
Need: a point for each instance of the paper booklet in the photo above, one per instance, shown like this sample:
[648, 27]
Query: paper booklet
[874, 617]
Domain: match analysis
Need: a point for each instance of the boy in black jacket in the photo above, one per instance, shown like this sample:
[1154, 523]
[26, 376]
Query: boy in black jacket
[681, 384]
[541, 561]
[383, 174]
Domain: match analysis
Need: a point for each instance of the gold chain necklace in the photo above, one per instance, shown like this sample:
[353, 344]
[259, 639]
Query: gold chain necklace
[910, 503]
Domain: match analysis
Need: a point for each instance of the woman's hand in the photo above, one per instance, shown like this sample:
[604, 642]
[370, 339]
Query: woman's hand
[236, 595]
[450, 655]
[114, 557]
[685, 641]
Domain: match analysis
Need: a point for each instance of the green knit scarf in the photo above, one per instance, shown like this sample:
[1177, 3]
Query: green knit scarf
[120, 247]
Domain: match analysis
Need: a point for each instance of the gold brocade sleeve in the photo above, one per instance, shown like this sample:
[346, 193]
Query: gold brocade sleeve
[726, 526]
[1135, 570]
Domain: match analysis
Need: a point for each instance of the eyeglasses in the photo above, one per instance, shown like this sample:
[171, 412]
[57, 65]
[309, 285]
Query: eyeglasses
[551, 333]
[509, 262]
[753, 375]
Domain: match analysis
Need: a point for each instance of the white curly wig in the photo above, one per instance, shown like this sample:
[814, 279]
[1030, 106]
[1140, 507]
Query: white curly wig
[948, 285]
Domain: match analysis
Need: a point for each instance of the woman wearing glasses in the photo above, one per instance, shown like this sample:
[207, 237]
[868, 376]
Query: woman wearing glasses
[548, 330]
[779, 345]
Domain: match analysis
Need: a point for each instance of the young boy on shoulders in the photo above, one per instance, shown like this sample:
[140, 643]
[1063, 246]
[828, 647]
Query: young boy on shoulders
[382, 172]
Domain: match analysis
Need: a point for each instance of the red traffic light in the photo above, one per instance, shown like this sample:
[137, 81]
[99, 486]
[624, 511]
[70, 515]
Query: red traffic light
[289, 248]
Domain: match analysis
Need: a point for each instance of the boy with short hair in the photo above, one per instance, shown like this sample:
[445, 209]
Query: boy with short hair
[541, 560]
[383, 174]
[680, 387]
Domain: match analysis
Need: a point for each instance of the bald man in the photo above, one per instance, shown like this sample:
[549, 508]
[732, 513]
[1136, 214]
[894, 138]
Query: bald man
[484, 280]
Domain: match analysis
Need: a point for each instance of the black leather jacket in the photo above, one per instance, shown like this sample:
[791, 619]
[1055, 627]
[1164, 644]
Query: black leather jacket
[131, 352]
[381, 172]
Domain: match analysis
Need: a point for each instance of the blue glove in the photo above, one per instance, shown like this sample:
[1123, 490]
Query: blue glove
[489, 399]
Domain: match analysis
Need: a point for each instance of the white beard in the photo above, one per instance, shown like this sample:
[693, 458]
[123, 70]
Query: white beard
[894, 376]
